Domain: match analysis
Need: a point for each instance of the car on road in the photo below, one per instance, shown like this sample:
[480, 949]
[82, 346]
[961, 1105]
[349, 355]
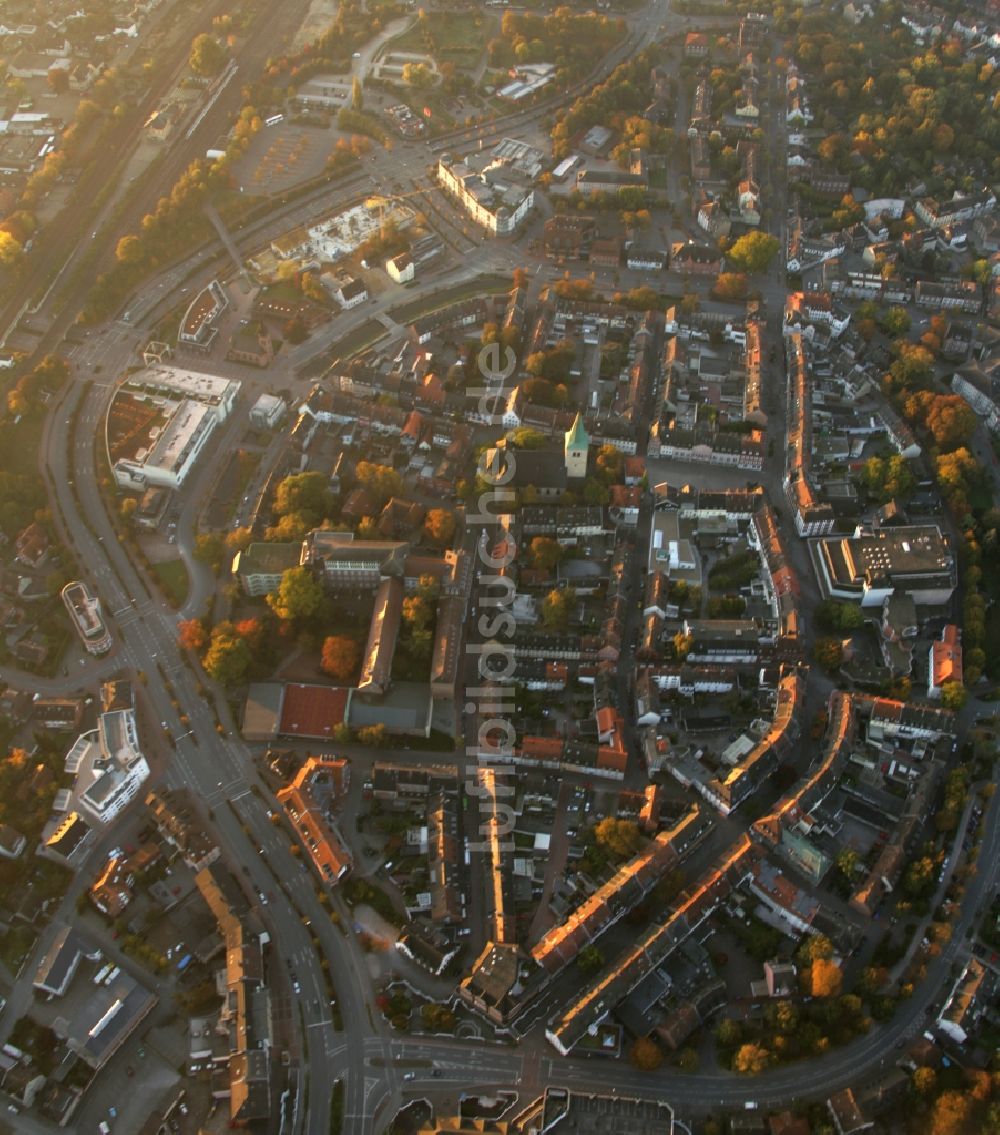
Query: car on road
[410, 1076]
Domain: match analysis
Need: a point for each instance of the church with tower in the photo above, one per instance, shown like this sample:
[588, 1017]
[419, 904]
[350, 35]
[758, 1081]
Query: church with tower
[549, 470]
[575, 450]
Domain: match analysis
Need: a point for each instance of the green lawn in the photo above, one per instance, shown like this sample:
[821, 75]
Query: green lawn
[484, 285]
[15, 946]
[173, 576]
[459, 37]
[361, 337]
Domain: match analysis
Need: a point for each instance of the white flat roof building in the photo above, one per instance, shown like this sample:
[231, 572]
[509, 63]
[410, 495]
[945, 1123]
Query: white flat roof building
[191, 405]
[109, 766]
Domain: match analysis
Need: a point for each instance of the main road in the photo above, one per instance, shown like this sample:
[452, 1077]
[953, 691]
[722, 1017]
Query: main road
[219, 769]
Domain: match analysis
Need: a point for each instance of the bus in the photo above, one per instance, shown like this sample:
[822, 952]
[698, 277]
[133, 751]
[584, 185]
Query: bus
[274, 120]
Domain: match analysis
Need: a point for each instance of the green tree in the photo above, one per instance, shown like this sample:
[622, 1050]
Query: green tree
[753, 252]
[954, 695]
[299, 595]
[828, 653]
[524, 437]
[207, 57]
[381, 481]
[210, 548]
[589, 960]
[306, 496]
[832, 615]
[895, 322]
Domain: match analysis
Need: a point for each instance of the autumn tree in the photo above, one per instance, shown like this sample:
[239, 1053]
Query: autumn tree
[372, 735]
[620, 838]
[646, 1054]
[751, 1059]
[239, 539]
[439, 524]
[357, 94]
[825, 978]
[192, 635]
[951, 421]
[253, 631]
[129, 250]
[299, 595]
[545, 552]
[730, 287]
[228, 658]
[340, 657]
[11, 250]
[609, 463]
[557, 607]
[951, 1114]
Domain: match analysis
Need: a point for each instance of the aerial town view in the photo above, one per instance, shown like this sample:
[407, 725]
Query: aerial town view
[499, 567]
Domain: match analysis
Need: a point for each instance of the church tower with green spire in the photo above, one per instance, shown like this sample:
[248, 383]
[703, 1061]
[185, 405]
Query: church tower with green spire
[576, 447]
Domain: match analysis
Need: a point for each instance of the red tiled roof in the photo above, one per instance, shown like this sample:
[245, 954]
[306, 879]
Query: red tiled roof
[312, 711]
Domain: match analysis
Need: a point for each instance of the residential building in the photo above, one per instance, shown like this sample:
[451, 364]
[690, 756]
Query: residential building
[268, 411]
[945, 661]
[198, 328]
[400, 268]
[308, 801]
